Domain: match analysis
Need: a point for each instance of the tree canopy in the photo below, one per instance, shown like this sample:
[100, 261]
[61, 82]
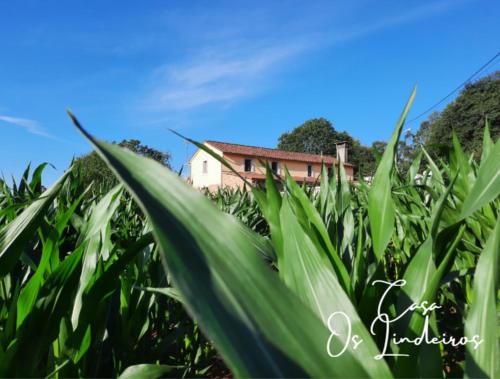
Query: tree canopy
[466, 116]
[315, 136]
[318, 136]
[93, 169]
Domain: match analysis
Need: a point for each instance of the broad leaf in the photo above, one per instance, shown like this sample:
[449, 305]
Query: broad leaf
[486, 188]
[482, 319]
[146, 371]
[381, 209]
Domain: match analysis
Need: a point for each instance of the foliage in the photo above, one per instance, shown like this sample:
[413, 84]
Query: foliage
[315, 136]
[100, 285]
[318, 136]
[240, 203]
[82, 288]
[93, 169]
[465, 116]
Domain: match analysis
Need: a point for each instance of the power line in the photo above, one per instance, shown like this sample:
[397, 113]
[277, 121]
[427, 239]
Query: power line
[457, 88]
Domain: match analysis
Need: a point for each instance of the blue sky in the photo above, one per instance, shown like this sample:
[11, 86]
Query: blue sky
[241, 72]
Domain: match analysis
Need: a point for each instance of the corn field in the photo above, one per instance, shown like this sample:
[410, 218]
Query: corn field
[152, 278]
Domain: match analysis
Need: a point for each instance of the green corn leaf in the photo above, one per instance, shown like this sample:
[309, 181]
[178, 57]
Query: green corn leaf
[23, 184]
[487, 185]
[36, 179]
[406, 367]
[167, 291]
[9, 329]
[30, 291]
[437, 176]
[462, 161]
[482, 318]
[270, 204]
[324, 193]
[312, 217]
[309, 274]
[343, 191]
[95, 240]
[344, 211]
[147, 371]
[488, 143]
[414, 167]
[359, 273]
[381, 209]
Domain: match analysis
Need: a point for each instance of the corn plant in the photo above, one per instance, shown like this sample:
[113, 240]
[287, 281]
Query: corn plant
[153, 278]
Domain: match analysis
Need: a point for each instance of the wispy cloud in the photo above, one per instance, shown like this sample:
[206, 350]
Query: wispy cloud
[216, 76]
[31, 126]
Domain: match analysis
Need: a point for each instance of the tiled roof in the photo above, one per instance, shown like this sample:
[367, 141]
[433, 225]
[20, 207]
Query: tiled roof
[264, 152]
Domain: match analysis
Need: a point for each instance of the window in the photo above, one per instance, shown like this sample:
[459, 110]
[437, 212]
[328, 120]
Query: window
[309, 170]
[274, 167]
[205, 167]
[248, 165]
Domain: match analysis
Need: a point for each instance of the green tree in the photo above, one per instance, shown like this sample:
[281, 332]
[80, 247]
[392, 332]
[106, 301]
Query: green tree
[363, 158]
[315, 136]
[466, 115]
[93, 169]
[318, 136]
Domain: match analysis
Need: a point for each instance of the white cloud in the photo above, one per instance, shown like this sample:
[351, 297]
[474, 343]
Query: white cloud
[31, 126]
[216, 76]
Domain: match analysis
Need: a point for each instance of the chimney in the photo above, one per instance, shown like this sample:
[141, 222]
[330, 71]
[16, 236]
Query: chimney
[341, 148]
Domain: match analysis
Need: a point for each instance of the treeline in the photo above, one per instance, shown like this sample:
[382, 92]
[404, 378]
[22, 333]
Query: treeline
[466, 116]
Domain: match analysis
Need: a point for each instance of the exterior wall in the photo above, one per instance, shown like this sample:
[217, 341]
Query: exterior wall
[220, 176]
[211, 179]
[229, 179]
[297, 169]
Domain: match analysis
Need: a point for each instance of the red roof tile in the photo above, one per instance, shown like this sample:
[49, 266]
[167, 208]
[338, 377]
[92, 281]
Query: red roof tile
[264, 152]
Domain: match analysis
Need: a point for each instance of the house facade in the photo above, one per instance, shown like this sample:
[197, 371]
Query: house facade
[208, 172]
